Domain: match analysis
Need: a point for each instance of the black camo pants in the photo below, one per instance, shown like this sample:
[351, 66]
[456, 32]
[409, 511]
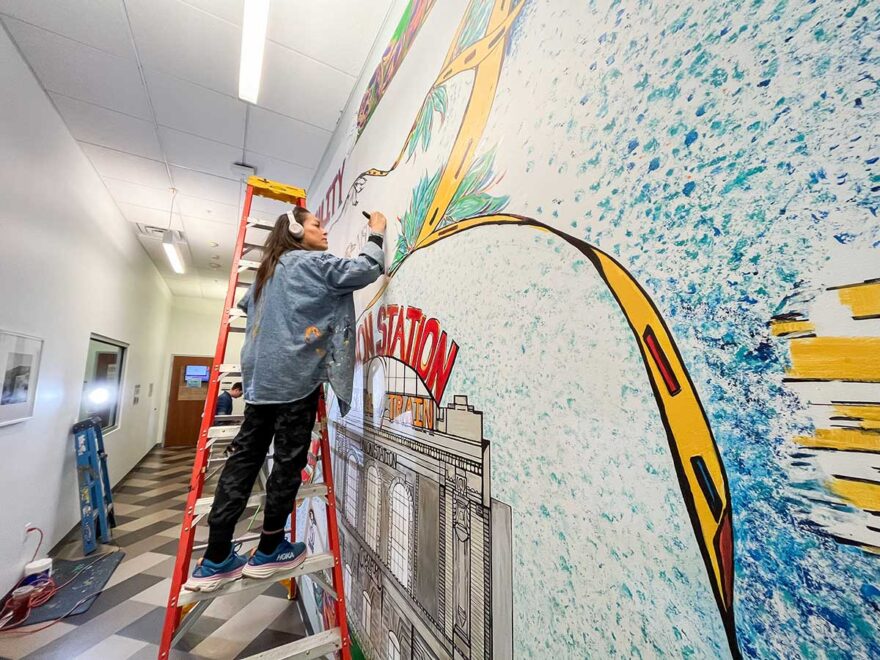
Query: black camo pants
[291, 426]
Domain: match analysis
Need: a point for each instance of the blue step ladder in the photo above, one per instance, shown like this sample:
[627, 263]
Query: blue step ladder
[95, 499]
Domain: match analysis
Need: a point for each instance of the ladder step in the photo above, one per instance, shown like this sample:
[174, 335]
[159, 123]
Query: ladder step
[203, 504]
[312, 564]
[314, 646]
[221, 432]
[230, 368]
[229, 418]
[247, 264]
[261, 224]
[233, 329]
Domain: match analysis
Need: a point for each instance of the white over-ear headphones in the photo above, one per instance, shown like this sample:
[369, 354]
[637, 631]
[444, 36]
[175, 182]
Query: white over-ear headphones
[296, 229]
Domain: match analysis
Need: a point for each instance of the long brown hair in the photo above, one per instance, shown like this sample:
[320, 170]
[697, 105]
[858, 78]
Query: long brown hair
[280, 241]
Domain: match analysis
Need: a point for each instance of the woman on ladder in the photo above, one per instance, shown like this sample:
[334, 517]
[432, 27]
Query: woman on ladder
[299, 335]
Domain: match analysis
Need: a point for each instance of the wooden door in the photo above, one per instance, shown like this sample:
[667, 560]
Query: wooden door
[186, 400]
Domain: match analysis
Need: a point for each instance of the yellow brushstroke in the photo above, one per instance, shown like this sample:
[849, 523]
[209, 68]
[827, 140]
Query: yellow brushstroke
[869, 411]
[780, 328]
[836, 358]
[842, 439]
[865, 495]
[862, 299]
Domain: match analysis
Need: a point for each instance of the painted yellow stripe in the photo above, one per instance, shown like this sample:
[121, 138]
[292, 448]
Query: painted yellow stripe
[864, 412]
[843, 439]
[862, 299]
[863, 494]
[780, 328]
[836, 358]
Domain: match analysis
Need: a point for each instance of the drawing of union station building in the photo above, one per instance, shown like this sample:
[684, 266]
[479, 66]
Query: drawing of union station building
[426, 550]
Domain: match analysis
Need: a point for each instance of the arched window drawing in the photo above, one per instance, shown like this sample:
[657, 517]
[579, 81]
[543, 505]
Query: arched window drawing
[401, 520]
[373, 507]
[368, 613]
[346, 584]
[393, 647]
[351, 491]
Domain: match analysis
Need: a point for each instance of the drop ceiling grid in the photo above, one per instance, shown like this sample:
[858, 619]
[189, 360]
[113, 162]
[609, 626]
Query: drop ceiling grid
[85, 60]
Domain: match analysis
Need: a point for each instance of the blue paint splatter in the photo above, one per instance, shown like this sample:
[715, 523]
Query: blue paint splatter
[654, 164]
[701, 111]
[690, 138]
[632, 145]
[689, 188]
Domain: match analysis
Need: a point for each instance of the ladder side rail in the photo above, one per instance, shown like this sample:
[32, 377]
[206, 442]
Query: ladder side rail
[333, 530]
[187, 535]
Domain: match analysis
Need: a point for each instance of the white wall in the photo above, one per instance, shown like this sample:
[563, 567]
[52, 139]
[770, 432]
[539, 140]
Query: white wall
[193, 330]
[70, 265]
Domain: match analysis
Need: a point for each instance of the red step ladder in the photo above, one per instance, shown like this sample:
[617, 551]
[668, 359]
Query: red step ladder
[185, 607]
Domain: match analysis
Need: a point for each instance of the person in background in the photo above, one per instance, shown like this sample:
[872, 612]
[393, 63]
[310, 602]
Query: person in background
[300, 334]
[224, 401]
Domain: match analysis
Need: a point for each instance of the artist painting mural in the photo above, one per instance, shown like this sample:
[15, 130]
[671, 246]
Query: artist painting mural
[616, 394]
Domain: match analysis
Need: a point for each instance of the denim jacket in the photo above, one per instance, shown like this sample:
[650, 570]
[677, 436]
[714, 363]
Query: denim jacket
[301, 332]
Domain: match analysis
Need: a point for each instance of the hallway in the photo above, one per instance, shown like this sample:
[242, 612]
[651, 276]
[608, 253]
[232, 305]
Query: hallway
[126, 619]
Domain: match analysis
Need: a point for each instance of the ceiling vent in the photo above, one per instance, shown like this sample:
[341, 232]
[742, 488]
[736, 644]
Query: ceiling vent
[157, 233]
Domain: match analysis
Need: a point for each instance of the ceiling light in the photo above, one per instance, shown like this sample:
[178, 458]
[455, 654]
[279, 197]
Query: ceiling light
[172, 252]
[213, 243]
[253, 40]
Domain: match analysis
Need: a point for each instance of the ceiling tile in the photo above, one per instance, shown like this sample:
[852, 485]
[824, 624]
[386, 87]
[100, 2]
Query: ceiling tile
[193, 109]
[98, 23]
[185, 42]
[207, 186]
[149, 216]
[353, 25]
[300, 87]
[288, 139]
[205, 209]
[198, 153]
[133, 193]
[228, 10]
[82, 72]
[185, 285]
[279, 170]
[95, 125]
[126, 167]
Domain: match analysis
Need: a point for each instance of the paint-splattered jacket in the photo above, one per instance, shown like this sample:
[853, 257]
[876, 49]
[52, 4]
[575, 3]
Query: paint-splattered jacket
[301, 331]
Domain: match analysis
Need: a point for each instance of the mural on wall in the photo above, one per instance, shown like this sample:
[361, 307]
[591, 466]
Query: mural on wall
[599, 209]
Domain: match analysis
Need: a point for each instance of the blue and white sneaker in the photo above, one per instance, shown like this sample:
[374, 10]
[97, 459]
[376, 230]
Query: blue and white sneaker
[286, 556]
[209, 576]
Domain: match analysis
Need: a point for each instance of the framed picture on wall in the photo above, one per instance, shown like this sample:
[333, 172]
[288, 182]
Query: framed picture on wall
[19, 370]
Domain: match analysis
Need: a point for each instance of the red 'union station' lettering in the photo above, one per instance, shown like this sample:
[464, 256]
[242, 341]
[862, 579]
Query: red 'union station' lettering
[405, 334]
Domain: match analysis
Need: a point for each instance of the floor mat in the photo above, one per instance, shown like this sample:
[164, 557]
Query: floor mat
[89, 574]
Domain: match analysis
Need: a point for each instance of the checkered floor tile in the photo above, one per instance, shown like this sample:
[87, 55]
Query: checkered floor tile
[126, 619]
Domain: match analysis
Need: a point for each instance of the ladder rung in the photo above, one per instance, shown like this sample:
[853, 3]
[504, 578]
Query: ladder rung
[230, 368]
[229, 418]
[311, 564]
[313, 646]
[261, 224]
[234, 329]
[221, 432]
[247, 264]
[203, 504]
[235, 313]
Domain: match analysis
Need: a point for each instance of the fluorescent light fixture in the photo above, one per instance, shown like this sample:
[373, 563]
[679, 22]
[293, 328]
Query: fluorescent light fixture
[172, 252]
[253, 40]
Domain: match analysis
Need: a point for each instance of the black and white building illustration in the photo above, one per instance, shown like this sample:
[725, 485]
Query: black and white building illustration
[426, 550]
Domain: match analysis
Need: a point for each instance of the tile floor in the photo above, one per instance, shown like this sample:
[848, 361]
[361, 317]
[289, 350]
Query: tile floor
[126, 619]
